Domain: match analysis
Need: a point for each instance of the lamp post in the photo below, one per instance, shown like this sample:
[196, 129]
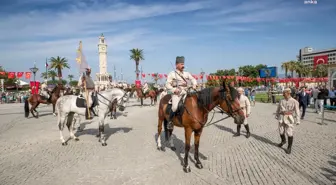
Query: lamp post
[34, 70]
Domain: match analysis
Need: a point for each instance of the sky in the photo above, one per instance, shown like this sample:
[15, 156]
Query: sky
[210, 34]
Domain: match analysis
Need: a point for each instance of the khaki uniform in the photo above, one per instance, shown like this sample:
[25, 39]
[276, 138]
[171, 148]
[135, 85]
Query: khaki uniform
[284, 113]
[44, 90]
[246, 106]
[175, 81]
[90, 87]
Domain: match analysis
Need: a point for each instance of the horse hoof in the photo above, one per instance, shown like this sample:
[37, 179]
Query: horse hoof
[199, 165]
[64, 144]
[187, 169]
[54, 114]
[76, 139]
[98, 135]
[173, 148]
[104, 144]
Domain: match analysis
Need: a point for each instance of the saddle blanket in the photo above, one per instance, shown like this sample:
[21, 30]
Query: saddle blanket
[80, 102]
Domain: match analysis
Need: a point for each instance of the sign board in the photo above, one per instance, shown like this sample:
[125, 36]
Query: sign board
[137, 83]
[268, 72]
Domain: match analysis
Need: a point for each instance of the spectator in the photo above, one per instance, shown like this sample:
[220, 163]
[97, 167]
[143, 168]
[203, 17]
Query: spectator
[332, 96]
[253, 94]
[320, 99]
[304, 100]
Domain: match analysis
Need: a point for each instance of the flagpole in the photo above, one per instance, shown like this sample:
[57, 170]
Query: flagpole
[46, 71]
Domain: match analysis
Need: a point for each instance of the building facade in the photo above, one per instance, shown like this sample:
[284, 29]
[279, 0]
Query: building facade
[308, 56]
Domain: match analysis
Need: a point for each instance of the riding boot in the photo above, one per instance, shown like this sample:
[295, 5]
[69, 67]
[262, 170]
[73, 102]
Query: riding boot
[170, 121]
[238, 131]
[290, 142]
[283, 140]
[87, 115]
[247, 131]
[92, 110]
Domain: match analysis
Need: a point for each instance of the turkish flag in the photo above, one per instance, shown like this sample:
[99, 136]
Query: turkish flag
[323, 59]
[28, 75]
[165, 75]
[11, 75]
[19, 74]
[3, 73]
[143, 75]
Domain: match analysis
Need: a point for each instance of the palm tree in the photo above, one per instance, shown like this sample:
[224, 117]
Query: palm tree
[52, 74]
[306, 71]
[136, 55]
[299, 68]
[291, 67]
[321, 70]
[285, 66]
[58, 64]
[44, 75]
[70, 77]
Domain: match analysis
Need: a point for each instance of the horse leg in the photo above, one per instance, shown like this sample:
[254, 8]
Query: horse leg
[54, 113]
[197, 137]
[37, 114]
[70, 125]
[171, 140]
[32, 110]
[159, 146]
[61, 122]
[187, 135]
[101, 132]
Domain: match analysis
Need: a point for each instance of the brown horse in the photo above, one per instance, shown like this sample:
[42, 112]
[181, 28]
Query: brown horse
[35, 99]
[194, 115]
[152, 94]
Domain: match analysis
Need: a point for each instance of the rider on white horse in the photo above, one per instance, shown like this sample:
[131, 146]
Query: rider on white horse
[90, 87]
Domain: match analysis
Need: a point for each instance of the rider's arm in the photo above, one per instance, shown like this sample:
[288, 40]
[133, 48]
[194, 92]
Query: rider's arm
[193, 81]
[169, 82]
[248, 106]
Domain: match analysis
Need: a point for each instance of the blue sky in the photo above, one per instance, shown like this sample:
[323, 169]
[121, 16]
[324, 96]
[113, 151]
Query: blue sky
[211, 34]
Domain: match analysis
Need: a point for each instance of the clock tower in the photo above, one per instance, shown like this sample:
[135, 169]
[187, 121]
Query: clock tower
[102, 77]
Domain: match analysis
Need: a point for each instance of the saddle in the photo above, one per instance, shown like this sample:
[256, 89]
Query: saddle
[180, 107]
[81, 102]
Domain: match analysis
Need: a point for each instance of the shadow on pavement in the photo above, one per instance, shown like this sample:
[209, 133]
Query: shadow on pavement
[330, 173]
[108, 131]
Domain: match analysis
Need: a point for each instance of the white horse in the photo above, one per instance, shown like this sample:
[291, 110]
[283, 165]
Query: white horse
[67, 108]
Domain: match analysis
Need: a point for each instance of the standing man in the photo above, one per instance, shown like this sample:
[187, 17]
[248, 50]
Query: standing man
[177, 85]
[90, 87]
[332, 93]
[304, 100]
[323, 92]
[285, 114]
[246, 107]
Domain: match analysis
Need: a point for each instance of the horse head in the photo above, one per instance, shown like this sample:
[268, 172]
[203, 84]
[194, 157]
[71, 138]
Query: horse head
[228, 101]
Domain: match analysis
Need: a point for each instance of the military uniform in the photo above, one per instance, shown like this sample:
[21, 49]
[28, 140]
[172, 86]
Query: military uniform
[285, 115]
[90, 87]
[246, 108]
[178, 80]
[145, 88]
[44, 90]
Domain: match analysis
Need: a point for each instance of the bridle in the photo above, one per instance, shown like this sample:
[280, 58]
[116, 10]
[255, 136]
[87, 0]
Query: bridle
[222, 96]
[120, 106]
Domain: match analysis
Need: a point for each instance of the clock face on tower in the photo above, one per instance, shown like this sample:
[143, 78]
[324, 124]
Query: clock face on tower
[103, 48]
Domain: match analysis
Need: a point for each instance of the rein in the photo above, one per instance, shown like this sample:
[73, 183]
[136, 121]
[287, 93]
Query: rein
[110, 100]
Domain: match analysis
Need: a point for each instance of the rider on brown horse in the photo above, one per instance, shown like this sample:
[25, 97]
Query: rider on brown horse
[45, 92]
[177, 85]
[145, 89]
[90, 87]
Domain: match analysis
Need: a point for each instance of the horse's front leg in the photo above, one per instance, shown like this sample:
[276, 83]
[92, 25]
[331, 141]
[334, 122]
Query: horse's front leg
[197, 137]
[187, 135]
[101, 134]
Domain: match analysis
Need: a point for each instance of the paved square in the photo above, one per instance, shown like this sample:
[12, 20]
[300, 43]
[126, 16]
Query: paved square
[31, 152]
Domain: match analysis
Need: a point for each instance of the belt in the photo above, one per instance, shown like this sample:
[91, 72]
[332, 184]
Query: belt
[287, 113]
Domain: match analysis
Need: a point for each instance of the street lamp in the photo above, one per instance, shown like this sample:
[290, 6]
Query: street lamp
[34, 70]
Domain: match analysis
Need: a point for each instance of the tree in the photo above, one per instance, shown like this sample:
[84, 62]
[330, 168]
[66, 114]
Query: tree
[321, 71]
[73, 83]
[299, 67]
[292, 67]
[70, 77]
[285, 66]
[58, 64]
[136, 55]
[52, 74]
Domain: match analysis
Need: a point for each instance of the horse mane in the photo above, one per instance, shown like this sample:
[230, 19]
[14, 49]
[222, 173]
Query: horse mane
[54, 89]
[233, 93]
[204, 96]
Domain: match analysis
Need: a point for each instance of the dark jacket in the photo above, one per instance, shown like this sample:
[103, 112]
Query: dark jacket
[303, 99]
[322, 94]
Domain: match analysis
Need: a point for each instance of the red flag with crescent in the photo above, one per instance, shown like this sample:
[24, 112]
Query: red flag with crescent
[28, 75]
[2, 73]
[323, 59]
[11, 75]
[19, 74]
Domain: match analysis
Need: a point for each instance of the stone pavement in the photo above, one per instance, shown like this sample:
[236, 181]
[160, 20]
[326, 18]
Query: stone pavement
[31, 152]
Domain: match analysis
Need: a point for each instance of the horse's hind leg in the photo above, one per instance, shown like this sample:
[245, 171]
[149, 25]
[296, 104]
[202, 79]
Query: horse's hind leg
[70, 125]
[171, 139]
[101, 132]
[54, 113]
[197, 137]
[61, 122]
[159, 145]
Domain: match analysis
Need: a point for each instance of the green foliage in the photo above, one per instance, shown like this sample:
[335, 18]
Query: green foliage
[54, 82]
[73, 83]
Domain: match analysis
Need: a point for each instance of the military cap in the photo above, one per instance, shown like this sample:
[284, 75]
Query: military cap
[179, 59]
[287, 90]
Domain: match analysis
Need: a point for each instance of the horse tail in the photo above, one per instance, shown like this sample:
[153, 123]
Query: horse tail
[26, 107]
[166, 131]
[58, 109]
